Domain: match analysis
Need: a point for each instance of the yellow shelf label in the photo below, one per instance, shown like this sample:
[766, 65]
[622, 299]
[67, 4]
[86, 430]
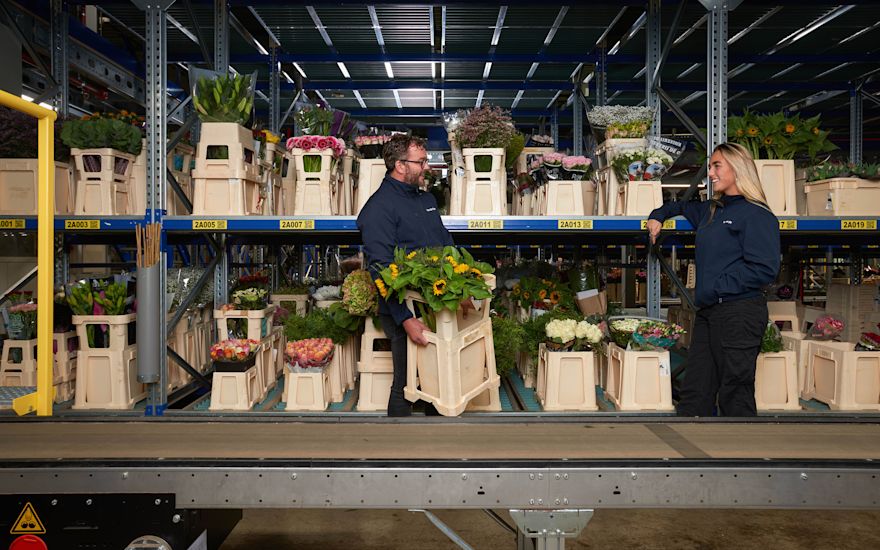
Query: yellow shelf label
[485, 224]
[12, 224]
[788, 225]
[297, 225]
[90, 225]
[574, 224]
[668, 224]
[858, 225]
[209, 225]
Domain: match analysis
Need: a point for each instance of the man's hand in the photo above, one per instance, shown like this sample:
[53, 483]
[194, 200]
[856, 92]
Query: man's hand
[414, 329]
[467, 305]
[654, 228]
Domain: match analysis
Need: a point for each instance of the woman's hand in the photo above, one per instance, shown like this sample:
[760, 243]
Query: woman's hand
[654, 228]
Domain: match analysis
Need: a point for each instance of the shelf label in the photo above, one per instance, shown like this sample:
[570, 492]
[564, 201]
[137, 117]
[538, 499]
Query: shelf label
[858, 225]
[209, 225]
[296, 225]
[788, 225]
[486, 224]
[668, 224]
[90, 225]
[574, 224]
[12, 224]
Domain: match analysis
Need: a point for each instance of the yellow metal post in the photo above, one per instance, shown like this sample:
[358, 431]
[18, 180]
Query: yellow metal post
[41, 401]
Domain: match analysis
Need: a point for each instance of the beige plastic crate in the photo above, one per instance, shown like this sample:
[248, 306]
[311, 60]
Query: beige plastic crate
[347, 183]
[18, 187]
[607, 191]
[117, 327]
[296, 304]
[371, 172]
[684, 318]
[107, 165]
[265, 366]
[570, 198]
[456, 194]
[375, 385]
[601, 362]
[776, 382]
[485, 198]
[795, 342]
[777, 180]
[336, 376]
[64, 345]
[369, 356]
[227, 196]
[288, 185]
[64, 391]
[498, 171]
[789, 313]
[306, 391]
[24, 372]
[327, 172]
[107, 379]
[608, 150]
[279, 343]
[842, 378]
[185, 153]
[639, 380]
[241, 163]
[843, 197]
[522, 161]
[527, 369]
[639, 198]
[259, 321]
[103, 189]
[566, 380]
[314, 198]
[810, 314]
[488, 401]
[352, 356]
[235, 391]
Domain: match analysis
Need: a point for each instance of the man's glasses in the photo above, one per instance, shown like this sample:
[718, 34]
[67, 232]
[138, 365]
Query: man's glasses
[419, 162]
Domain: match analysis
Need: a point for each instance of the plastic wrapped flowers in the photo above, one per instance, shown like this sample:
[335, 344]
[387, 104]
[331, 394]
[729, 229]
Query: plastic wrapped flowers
[309, 355]
[235, 351]
[621, 331]
[655, 335]
[359, 293]
[572, 335]
[826, 327]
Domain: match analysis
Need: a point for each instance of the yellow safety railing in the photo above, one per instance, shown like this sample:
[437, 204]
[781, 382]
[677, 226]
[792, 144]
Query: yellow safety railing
[41, 401]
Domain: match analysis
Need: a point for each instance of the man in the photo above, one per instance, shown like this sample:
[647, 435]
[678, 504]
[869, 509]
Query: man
[400, 215]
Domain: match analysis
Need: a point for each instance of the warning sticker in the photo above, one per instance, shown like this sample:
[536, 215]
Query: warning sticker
[28, 522]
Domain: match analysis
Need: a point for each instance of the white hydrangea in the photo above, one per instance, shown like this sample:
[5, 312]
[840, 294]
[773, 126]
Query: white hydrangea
[625, 325]
[656, 156]
[327, 293]
[589, 332]
[561, 330]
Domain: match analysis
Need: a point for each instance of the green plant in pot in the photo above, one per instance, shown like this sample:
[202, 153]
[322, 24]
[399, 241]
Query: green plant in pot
[120, 132]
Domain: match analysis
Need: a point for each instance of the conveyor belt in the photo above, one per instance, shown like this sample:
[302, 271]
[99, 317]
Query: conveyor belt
[415, 441]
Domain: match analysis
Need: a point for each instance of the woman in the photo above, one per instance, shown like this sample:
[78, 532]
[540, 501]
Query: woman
[737, 249]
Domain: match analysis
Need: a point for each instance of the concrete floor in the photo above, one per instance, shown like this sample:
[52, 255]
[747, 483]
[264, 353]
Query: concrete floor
[623, 529]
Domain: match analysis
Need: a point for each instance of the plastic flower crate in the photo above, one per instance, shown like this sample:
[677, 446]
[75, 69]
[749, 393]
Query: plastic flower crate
[639, 380]
[566, 380]
[18, 366]
[522, 161]
[485, 193]
[842, 378]
[107, 376]
[776, 382]
[570, 198]
[843, 197]
[777, 180]
[235, 391]
[259, 321]
[488, 401]
[306, 391]
[288, 185]
[608, 150]
[457, 364]
[638, 198]
[64, 346]
[786, 312]
[371, 172]
[18, 187]
[375, 384]
[102, 181]
[295, 304]
[234, 144]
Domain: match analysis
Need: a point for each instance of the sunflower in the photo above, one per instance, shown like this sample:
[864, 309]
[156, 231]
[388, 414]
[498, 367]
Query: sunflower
[461, 269]
[739, 132]
[815, 130]
[383, 290]
[752, 131]
[768, 140]
[395, 271]
[411, 255]
[554, 297]
[542, 294]
[517, 290]
[526, 295]
[789, 128]
[435, 259]
[439, 287]
[477, 273]
[451, 261]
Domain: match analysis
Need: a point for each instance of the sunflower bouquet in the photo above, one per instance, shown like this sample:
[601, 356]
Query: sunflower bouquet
[775, 136]
[444, 277]
[537, 292]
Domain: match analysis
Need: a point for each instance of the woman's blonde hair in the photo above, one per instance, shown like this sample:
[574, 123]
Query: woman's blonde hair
[747, 180]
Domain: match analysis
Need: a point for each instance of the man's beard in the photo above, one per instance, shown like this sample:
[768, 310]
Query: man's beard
[413, 178]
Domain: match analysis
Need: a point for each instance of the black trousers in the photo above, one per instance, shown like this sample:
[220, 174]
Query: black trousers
[396, 333]
[721, 361]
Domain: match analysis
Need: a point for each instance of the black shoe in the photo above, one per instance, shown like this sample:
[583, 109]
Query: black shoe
[398, 406]
[431, 410]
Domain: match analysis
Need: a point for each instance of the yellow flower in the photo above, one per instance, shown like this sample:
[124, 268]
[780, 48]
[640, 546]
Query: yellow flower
[451, 260]
[434, 258]
[752, 131]
[554, 297]
[739, 132]
[542, 294]
[516, 290]
[526, 295]
[461, 268]
[411, 255]
[439, 287]
[768, 140]
[394, 271]
[789, 128]
[476, 272]
[383, 290]
[816, 131]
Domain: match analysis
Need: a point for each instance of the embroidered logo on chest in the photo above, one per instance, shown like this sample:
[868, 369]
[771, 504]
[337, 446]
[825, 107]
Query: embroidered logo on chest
[430, 209]
[728, 222]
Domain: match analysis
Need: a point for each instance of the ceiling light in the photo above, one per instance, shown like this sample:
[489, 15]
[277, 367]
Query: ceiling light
[487, 69]
[343, 68]
[397, 99]
[360, 100]
[388, 70]
[516, 100]
[479, 98]
[299, 70]
[834, 14]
